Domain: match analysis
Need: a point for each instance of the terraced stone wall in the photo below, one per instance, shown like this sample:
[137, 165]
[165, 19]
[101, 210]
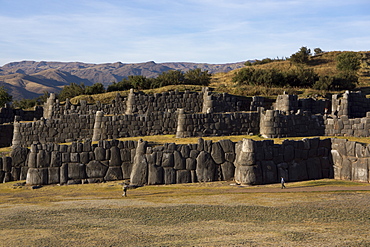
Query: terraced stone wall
[67, 128]
[7, 114]
[6, 134]
[277, 124]
[218, 124]
[246, 162]
[344, 126]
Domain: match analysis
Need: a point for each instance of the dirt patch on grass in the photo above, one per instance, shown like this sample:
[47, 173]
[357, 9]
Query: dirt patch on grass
[312, 213]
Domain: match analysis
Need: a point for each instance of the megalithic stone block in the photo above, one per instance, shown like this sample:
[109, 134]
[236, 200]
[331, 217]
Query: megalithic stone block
[97, 135]
[139, 174]
[37, 176]
[246, 169]
[206, 167]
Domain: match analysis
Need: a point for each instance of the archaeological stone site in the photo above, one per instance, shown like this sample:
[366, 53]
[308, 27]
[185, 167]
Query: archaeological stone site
[95, 153]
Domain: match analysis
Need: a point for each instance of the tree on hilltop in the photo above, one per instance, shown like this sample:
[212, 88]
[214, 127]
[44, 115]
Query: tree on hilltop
[302, 56]
[197, 77]
[318, 51]
[95, 89]
[5, 97]
[71, 90]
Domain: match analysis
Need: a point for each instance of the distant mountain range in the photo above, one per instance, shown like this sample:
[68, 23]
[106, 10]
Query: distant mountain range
[29, 79]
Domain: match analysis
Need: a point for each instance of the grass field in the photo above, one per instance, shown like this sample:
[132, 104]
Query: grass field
[311, 213]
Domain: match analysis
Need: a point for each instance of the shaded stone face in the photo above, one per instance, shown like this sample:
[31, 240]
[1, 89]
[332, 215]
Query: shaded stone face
[206, 167]
[19, 156]
[96, 169]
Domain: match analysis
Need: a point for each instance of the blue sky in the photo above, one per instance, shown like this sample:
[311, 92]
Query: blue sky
[204, 31]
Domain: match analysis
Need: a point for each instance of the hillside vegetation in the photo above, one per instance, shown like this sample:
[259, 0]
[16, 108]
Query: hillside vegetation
[323, 64]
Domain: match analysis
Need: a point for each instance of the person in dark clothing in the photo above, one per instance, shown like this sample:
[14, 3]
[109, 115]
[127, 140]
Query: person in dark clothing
[282, 183]
[125, 187]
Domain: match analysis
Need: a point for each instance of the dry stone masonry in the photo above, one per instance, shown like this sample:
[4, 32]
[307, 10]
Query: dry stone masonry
[38, 158]
[247, 162]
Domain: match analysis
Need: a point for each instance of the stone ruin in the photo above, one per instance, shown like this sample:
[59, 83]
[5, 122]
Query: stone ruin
[96, 155]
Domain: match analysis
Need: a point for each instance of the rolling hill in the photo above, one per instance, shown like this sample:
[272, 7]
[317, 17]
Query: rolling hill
[29, 79]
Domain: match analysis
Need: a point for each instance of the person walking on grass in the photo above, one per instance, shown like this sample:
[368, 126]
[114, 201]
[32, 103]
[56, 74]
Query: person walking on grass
[125, 187]
[282, 183]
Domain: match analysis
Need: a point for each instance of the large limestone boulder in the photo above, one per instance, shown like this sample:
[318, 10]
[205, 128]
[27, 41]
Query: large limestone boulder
[113, 173]
[99, 153]
[314, 169]
[206, 167]
[346, 171]
[228, 171]
[282, 170]
[155, 174]
[179, 162]
[337, 163]
[360, 170]
[55, 159]
[42, 159]
[183, 176]
[270, 174]
[54, 175]
[96, 169]
[37, 176]
[246, 169]
[169, 175]
[227, 146]
[139, 174]
[298, 171]
[218, 153]
[76, 171]
[115, 157]
[19, 156]
[168, 160]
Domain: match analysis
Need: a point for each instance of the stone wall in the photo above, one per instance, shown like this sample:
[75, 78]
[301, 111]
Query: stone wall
[80, 162]
[167, 101]
[14, 167]
[246, 162]
[75, 127]
[155, 123]
[7, 114]
[277, 124]
[140, 103]
[315, 106]
[343, 126]
[66, 129]
[142, 114]
[350, 160]
[55, 110]
[249, 162]
[291, 103]
[230, 103]
[218, 124]
[6, 134]
[263, 162]
[351, 104]
[134, 103]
